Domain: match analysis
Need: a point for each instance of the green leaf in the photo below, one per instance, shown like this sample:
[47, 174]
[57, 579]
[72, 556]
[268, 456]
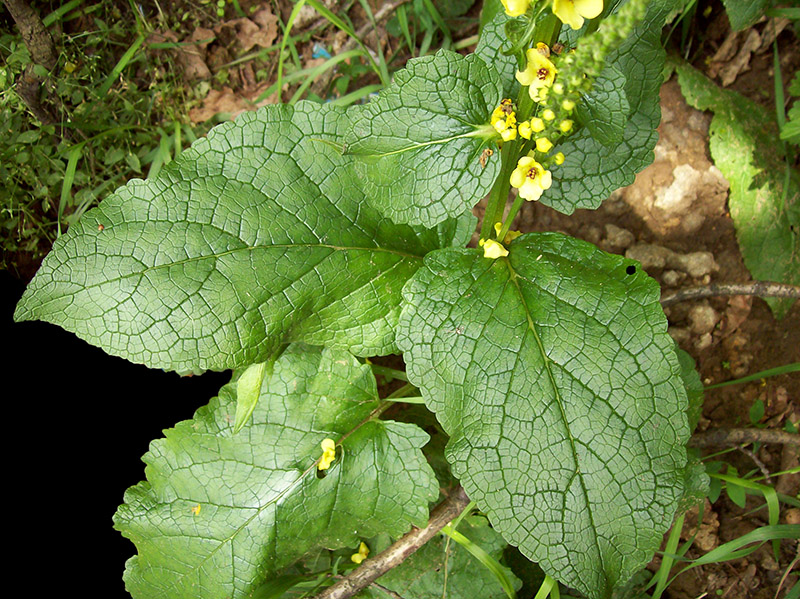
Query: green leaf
[418, 146]
[791, 130]
[248, 390]
[222, 513]
[490, 48]
[592, 169]
[604, 111]
[693, 385]
[441, 569]
[765, 211]
[555, 378]
[744, 13]
[256, 236]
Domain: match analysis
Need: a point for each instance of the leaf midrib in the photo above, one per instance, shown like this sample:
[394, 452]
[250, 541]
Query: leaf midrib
[557, 395]
[215, 256]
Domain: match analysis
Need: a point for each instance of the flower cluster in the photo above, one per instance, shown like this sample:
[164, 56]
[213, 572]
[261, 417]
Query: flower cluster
[504, 120]
[328, 454]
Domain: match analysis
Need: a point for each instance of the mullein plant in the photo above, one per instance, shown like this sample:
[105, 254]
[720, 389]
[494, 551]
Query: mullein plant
[299, 241]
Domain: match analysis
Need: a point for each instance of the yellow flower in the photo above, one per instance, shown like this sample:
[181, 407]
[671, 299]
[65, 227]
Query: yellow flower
[516, 8]
[539, 74]
[511, 236]
[525, 129]
[492, 249]
[530, 178]
[568, 105]
[537, 124]
[544, 145]
[363, 552]
[328, 454]
[504, 120]
[565, 125]
[559, 158]
[548, 115]
[573, 12]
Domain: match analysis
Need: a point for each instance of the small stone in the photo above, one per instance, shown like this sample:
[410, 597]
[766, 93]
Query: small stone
[698, 264]
[792, 515]
[672, 278]
[703, 318]
[679, 335]
[619, 237]
[650, 256]
[703, 342]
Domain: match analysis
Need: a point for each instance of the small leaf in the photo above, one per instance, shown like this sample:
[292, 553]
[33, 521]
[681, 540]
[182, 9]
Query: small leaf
[605, 110]
[693, 385]
[553, 374]
[744, 13]
[248, 390]
[221, 514]
[418, 146]
[764, 203]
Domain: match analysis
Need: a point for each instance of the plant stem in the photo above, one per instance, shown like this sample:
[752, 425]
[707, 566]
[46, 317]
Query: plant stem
[373, 568]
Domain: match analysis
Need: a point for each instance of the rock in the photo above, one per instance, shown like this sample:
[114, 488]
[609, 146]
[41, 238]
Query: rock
[679, 335]
[696, 264]
[703, 318]
[703, 342]
[619, 237]
[792, 515]
[672, 278]
[649, 256]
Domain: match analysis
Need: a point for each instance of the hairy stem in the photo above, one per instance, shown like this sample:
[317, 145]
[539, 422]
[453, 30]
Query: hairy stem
[373, 568]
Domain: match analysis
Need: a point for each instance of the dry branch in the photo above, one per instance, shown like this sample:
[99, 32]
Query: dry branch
[373, 568]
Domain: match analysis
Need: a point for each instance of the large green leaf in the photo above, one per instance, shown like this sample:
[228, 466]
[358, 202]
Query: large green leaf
[446, 569]
[418, 146]
[764, 203]
[221, 512]
[256, 236]
[553, 374]
[596, 167]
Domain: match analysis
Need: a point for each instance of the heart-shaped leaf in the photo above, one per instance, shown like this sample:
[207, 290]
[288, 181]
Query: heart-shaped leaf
[553, 374]
[223, 512]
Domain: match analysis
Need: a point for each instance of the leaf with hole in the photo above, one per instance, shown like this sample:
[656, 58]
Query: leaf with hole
[553, 374]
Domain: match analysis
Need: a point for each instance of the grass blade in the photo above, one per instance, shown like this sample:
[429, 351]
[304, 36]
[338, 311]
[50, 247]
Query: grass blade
[487, 560]
[120, 66]
[793, 367]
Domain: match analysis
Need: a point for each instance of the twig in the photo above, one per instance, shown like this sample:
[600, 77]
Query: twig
[738, 436]
[759, 288]
[757, 462]
[373, 568]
